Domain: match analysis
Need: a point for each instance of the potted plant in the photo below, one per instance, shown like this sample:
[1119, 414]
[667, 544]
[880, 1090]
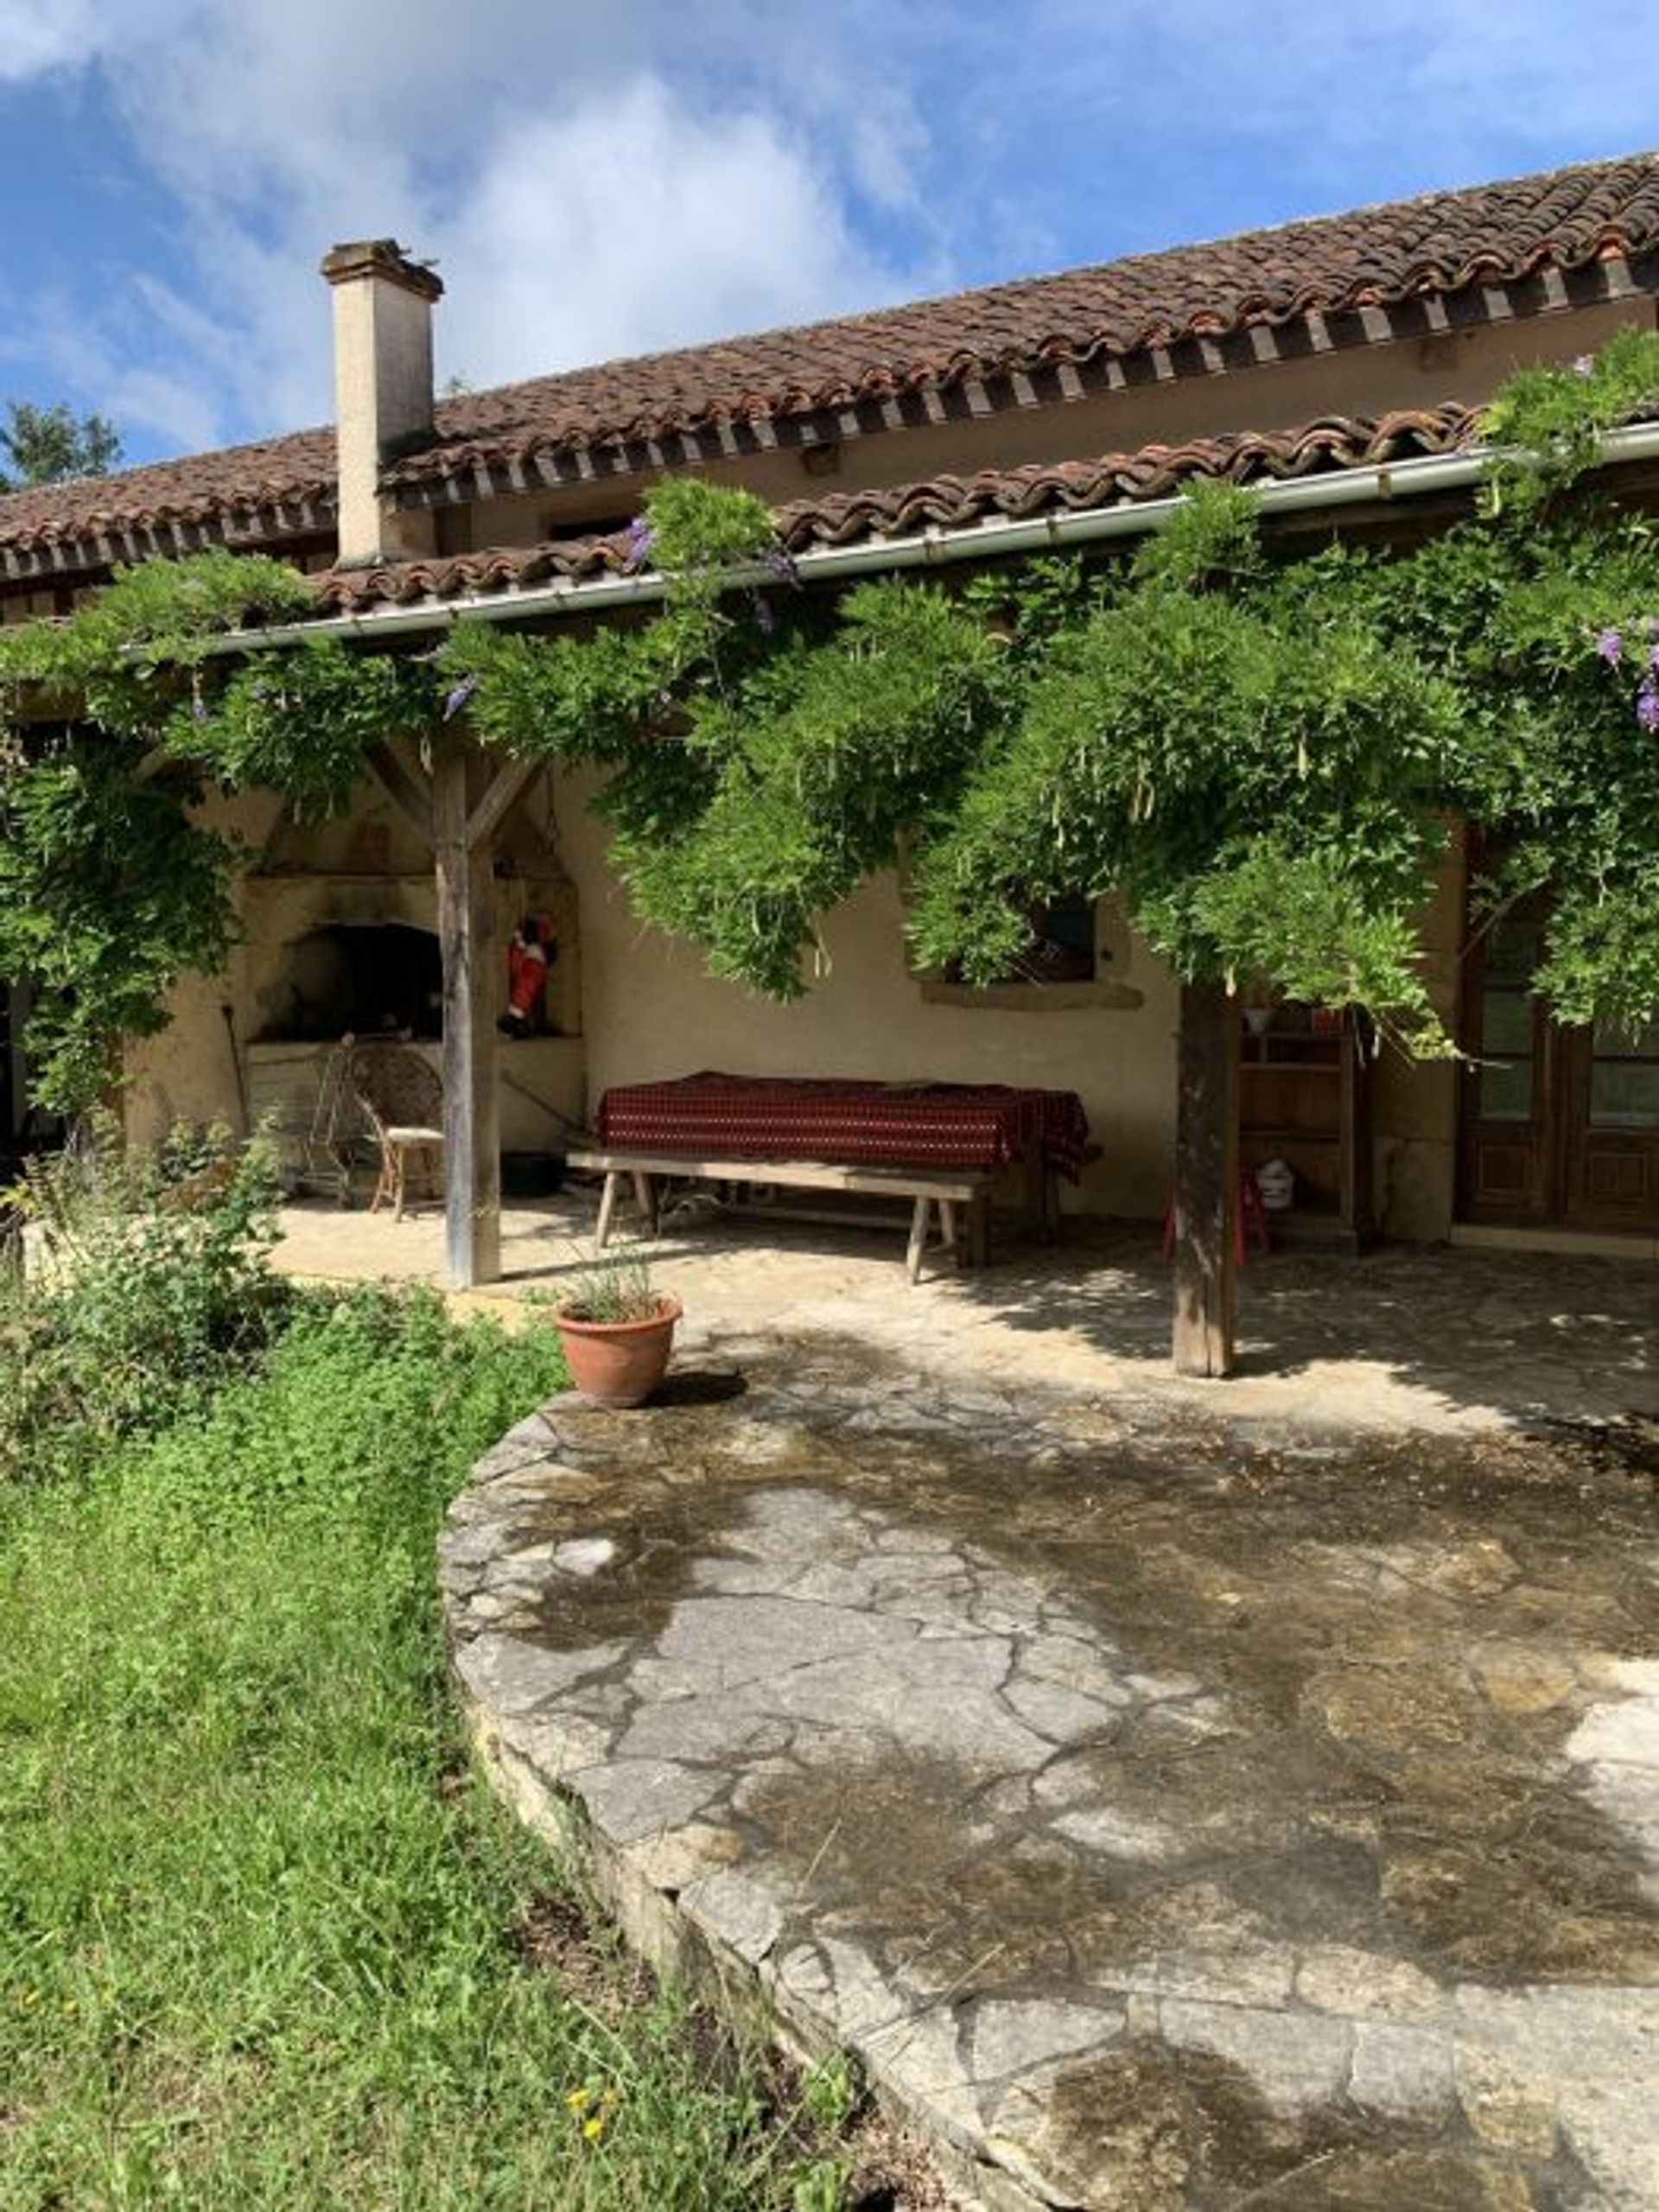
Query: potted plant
[617, 1329]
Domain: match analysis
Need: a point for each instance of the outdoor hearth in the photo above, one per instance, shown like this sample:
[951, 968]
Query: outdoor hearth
[383, 979]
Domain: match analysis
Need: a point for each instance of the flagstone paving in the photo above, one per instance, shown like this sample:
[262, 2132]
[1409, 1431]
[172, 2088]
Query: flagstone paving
[1167, 1809]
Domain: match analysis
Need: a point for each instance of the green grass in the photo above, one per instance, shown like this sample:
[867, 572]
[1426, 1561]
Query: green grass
[258, 1923]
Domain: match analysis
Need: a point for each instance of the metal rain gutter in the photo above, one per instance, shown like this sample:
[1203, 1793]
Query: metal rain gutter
[934, 547]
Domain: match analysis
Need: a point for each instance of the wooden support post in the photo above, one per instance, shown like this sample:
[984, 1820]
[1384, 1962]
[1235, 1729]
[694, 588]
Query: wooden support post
[1206, 1182]
[472, 1146]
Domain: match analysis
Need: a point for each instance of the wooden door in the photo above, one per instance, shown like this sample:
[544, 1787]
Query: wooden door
[1510, 1121]
[1612, 1100]
[1559, 1126]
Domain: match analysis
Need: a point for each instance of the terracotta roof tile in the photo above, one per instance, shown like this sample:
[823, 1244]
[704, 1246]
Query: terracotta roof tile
[1374, 256]
[1379, 257]
[238, 481]
[1331, 443]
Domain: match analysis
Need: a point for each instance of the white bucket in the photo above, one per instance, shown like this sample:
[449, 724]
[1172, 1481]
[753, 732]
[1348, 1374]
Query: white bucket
[1277, 1183]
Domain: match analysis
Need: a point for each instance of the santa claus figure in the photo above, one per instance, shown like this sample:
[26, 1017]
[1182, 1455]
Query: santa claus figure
[528, 957]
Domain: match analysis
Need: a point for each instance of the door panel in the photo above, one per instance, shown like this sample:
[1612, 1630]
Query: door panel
[1613, 1134]
[1558, 1126]
[1505, 1139]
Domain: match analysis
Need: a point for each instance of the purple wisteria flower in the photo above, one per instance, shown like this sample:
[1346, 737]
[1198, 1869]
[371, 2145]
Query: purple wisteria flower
[1647, 706]
[458, 698]
[1585, 365]
[764, 620]
[641, 539]
[1611, 646]
[782, 565]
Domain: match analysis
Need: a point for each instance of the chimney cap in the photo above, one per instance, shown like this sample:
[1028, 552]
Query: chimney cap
[360, 257]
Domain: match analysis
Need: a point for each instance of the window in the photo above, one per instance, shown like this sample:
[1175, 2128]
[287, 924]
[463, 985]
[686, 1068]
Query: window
[1060, 949]
[1075, 956]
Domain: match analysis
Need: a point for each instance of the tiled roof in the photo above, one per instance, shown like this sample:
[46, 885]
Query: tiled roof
[1492, 250]
[279, 487]
[1373, 258]
[1329, 445]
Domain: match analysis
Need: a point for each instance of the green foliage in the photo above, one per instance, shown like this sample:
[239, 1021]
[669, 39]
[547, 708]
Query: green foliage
[1548, 422]
[146, 1285]
[263, 1942]
[811, 772]
[302, 722]
[47, 445]
[1259, 755]
[110, 890]
[130, 658]
[1263, 793]
[616, 1288]
[699, 533]
[1210, 541]
[108, 893]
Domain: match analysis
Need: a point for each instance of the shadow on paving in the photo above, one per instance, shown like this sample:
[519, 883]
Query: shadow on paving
[1184, 1818]
[1524, 1333]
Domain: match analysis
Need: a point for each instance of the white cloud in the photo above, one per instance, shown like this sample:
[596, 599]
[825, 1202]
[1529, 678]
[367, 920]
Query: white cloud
[34, 41]
[583, 202]
[633, 224]
[598, 181]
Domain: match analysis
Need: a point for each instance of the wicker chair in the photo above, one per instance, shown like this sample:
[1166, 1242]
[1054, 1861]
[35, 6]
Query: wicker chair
[402, 1101]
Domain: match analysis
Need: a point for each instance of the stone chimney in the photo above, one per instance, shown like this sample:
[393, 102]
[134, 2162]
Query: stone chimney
[383, 389]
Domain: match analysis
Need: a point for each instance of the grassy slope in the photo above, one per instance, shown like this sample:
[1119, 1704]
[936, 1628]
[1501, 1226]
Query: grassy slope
[256, 1927]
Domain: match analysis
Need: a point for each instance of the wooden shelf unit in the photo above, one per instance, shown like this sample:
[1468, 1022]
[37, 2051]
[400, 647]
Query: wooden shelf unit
[1304, 1098]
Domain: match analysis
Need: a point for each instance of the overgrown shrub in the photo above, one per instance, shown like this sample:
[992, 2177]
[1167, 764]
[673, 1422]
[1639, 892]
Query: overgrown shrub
[146, 1282]
[264, 1945]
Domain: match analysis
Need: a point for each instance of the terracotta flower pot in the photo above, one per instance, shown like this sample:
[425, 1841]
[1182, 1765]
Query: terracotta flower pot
[619, 1363]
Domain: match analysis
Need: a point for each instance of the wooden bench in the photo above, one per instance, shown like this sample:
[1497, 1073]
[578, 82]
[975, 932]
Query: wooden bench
[958, 1197]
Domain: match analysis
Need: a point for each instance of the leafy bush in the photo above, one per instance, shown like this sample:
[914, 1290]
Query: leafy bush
[263, 1943]
[146, 1283]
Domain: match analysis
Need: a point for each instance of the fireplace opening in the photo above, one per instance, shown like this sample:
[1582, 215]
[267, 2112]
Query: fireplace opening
[386, 979]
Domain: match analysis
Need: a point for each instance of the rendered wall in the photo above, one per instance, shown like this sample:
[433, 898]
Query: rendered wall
[636, 1005]
[650, 1011]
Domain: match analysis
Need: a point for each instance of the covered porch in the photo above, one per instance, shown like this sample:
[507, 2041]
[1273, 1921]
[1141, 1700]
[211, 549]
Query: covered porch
[1404, 1336]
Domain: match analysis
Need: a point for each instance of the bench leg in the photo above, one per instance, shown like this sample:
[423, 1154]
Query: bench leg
[918, 1240]
[606, 1208]
[979, 1231]
[644, 1196]
[949, 1231]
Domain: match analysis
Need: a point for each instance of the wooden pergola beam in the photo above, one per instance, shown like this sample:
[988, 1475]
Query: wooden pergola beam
[467, 938]
[461, 831]
[491, 811]
[1206, 1182]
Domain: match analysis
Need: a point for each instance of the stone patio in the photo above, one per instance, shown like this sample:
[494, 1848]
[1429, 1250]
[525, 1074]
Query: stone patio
[1174, 1796]
[1407, 1336]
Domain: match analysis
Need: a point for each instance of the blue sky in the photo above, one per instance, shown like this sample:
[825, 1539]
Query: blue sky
[595, 181]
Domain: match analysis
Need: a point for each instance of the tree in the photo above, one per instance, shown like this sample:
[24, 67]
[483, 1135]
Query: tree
[47, 445]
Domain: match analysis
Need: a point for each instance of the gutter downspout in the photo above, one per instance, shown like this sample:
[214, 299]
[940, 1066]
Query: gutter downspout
[934, 547]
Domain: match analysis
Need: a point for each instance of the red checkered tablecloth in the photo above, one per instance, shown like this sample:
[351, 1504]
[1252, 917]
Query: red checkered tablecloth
[712, 1115]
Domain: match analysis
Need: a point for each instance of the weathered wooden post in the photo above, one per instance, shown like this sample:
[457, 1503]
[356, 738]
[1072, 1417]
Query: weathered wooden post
[461, 834]
[472, 1146]
[1206, 1182]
